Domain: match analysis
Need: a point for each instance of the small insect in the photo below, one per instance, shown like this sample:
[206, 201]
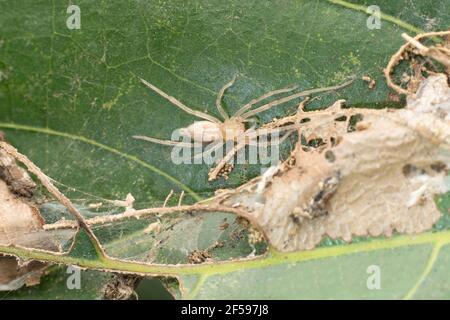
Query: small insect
[218, 132]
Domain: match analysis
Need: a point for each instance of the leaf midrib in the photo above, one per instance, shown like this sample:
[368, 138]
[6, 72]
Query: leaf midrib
[270, 259]
[383, 16]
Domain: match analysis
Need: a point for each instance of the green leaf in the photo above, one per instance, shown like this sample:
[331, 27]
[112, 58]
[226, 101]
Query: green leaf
[71, 100]
[334, 277]
[54, 287]
[399, 268]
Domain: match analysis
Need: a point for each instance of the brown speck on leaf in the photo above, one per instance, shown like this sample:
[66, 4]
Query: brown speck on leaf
[224, 226]
[394, 97]
[439, 166]
[199, 256]
[219, 244]
[121, 287]
[154, 227]
[329, 155]
[291, 161]
[243, 222]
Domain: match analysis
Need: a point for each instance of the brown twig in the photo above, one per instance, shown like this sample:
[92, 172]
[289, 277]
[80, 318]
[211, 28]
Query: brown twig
[137, 214]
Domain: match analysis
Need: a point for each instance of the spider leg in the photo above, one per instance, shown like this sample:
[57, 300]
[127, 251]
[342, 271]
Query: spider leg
[292, 97]
[180, 105]
[220, 97]
[266, 131]
[208, 151]
[212, 175]
[263, 97]
[165, 142]
[267, 143]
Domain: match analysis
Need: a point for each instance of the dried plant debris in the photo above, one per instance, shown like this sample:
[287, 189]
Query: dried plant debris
[17, 219]
[15, 177]
[21, 225]
[13, 276]
[121, 287]
[377, 179]
[422, 60]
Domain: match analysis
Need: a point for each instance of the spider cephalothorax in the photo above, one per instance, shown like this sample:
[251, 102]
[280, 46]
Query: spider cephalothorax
[218, 132]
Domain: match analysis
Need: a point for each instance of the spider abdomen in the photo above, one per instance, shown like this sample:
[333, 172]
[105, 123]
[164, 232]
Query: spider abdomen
[204, 131]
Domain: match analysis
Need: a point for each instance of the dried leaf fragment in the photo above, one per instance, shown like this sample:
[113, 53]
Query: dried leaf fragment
[15, 177]
[17, 219]
[21, 224]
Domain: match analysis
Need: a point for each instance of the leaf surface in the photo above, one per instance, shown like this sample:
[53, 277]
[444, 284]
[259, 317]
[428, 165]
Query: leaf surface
[71, 100]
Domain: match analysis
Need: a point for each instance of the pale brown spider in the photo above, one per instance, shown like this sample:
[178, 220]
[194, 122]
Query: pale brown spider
[212, 130]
